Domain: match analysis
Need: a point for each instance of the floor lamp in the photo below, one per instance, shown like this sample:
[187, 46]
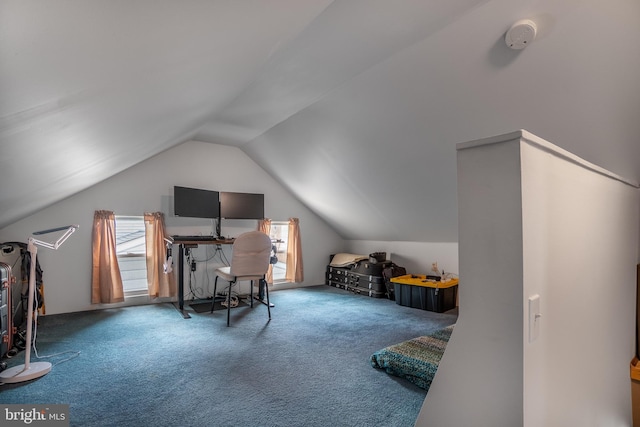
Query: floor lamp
[29, 371]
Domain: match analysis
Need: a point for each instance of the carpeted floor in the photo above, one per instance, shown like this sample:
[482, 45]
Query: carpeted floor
[309, 366]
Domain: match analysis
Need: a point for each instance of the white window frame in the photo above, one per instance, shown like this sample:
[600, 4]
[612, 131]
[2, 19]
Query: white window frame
[279, 234]
[131, 253]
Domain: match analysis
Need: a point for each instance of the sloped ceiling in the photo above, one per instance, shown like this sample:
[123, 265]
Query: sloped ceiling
[355, 105]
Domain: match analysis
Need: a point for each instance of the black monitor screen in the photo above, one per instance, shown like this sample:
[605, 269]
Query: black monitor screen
[241, 205]
[196, 203]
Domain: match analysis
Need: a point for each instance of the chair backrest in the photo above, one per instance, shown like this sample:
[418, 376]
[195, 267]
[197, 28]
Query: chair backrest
[251, 254]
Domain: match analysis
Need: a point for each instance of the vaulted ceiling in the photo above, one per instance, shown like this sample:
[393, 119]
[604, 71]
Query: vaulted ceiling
[353, 105]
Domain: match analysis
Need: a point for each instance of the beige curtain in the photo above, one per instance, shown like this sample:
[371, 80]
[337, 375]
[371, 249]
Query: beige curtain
[264, 225]
[160, 283]
[106, 283]
[294, 271]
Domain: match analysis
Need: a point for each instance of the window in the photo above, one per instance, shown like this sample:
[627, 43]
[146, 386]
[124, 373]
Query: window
[279, 234]
[131, 252]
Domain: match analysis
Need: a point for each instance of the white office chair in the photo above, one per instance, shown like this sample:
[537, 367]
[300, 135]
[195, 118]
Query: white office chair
[250, 258]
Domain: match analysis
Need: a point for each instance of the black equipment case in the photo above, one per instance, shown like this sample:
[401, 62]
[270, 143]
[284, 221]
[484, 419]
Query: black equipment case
[390, 272]
[362, 278]
[16, 256]
[6, 323]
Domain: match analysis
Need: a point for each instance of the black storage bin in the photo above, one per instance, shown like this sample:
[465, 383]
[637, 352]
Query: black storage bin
[425, 296]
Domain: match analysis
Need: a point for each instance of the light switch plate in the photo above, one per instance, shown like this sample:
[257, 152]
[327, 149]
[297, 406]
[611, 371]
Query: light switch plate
[534, 317]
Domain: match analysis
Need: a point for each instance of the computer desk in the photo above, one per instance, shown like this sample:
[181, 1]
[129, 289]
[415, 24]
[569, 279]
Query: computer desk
[186, 242]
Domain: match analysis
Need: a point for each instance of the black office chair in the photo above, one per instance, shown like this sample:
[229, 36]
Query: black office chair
[250, 258]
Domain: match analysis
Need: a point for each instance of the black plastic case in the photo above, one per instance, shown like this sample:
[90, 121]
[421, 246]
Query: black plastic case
[6, 332]
[358, 283]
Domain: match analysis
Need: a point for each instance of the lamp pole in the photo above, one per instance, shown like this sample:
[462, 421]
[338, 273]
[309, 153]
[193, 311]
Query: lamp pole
[29, 371]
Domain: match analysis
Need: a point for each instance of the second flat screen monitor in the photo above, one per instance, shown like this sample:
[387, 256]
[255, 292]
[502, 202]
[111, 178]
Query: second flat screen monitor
[241, 205]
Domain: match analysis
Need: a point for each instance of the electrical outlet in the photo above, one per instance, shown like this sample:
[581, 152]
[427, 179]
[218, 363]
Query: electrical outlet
[534, 317]
[193, 266]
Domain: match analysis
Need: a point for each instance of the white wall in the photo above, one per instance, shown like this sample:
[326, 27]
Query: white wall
[534, 219]
[416, 257]
[479, 380]
[148, 187]
[578, 224]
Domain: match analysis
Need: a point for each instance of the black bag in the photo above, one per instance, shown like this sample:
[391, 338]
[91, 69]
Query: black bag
[389, 272]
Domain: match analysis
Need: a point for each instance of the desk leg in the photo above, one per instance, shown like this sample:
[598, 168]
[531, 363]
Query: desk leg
[181, 282]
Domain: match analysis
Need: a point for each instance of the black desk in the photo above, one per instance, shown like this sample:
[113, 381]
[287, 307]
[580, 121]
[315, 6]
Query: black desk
[186, 242]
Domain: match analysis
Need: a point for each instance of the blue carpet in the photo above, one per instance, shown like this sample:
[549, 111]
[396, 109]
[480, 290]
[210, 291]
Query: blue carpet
[308, 366]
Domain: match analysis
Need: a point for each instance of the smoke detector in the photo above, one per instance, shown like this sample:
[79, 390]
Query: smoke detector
[521, 34]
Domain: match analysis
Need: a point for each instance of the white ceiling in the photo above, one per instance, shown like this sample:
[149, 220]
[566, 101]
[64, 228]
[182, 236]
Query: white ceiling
[354, 105]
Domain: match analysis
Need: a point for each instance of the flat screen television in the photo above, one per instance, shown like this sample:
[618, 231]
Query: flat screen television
[241, 205]
[196, 203]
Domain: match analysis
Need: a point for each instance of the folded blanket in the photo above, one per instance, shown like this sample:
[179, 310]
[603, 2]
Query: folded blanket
[416, 360]
[343, 260]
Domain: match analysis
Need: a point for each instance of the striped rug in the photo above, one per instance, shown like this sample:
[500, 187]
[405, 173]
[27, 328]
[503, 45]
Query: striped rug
[416, 360]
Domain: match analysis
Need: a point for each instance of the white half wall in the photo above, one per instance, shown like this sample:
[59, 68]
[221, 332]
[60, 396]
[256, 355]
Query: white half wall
[536, 220]
[148, 187]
